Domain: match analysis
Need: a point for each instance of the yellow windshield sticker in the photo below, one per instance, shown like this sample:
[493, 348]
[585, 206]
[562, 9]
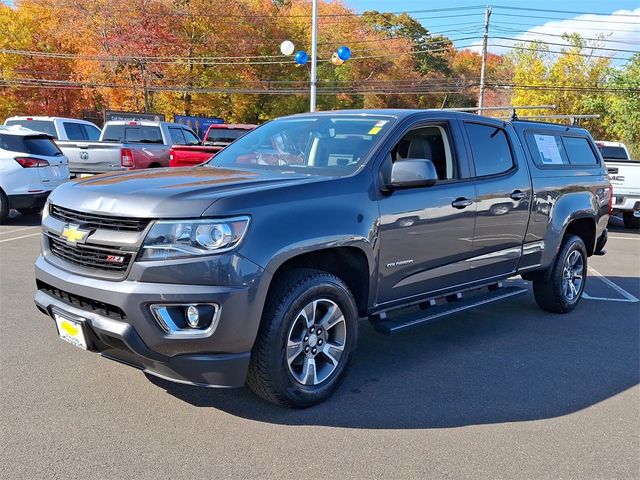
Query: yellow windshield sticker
[374, 130]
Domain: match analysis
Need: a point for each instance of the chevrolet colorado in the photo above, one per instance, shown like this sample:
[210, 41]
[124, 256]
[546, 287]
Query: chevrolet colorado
[256, 266]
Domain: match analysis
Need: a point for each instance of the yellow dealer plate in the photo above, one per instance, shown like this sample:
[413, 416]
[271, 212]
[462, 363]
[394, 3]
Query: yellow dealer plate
[71, 331]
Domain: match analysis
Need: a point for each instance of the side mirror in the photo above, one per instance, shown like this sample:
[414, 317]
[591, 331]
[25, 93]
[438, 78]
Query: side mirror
[412, 173]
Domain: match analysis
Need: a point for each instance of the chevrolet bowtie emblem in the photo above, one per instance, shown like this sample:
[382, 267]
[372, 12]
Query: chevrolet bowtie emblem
[72, 233]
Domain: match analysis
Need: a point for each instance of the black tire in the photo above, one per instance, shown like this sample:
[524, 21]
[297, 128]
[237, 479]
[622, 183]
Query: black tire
[30, 211]
[630, 221]
[549, 291]
[270, 374]
[4, 207]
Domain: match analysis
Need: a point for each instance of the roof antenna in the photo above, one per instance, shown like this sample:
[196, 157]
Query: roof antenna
[514, 116]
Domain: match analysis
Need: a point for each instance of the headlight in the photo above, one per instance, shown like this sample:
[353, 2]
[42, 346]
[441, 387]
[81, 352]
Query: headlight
[188, 238]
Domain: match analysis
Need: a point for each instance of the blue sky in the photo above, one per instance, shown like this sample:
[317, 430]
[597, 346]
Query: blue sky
[465, 25]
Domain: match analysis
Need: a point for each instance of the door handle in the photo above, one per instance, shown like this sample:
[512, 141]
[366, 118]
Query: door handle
[461, 202]
[517, 195]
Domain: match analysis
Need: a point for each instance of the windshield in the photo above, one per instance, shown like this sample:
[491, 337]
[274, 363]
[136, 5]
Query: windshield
[318, 145]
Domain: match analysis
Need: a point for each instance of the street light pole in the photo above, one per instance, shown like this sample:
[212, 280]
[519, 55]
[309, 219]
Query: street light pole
[314, 54]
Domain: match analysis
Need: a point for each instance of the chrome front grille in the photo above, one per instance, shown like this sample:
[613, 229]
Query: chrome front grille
[111, 259]
[94, 221]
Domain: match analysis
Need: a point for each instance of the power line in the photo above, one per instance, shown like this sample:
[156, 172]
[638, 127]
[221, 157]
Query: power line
[573, 27]
[546, 34]
[564, 45]
[571, 12]
[513, 47]
[563, 19]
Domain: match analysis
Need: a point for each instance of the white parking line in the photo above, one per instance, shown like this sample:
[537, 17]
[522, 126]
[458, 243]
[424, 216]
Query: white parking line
[628, 298]
[16, 230]
[624, 238]
[18, 238]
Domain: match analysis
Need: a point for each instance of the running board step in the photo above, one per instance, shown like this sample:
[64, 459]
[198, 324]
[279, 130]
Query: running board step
[389, 325]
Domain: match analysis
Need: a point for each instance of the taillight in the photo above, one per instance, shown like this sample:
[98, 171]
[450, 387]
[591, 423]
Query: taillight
[29, 162]
[610, 199]
[126, 157]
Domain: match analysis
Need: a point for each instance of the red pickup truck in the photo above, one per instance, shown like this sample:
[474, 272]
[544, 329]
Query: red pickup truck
[217, 137]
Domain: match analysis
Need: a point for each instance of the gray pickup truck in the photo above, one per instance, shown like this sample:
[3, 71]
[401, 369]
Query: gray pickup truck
[127, 145]
[257, 266]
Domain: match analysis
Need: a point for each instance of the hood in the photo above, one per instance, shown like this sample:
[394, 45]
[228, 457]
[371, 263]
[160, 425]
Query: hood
[167, 192]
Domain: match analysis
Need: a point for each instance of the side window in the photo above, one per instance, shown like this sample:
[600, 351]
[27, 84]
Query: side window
[432, 143]
[150, 134]
[490, 149]
[546, 149]
[177, 138]
[190, 137]
[74, 131]
[91, 133]
[579, 151]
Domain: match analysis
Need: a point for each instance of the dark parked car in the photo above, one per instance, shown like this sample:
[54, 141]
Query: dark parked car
[256, 266]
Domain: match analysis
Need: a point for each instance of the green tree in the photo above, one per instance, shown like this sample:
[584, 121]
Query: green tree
[624, 105]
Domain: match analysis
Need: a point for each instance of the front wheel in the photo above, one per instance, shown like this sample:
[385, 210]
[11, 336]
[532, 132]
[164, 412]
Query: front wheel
[305, 341]
[561, 291]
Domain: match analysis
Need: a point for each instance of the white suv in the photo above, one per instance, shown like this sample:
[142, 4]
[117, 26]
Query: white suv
[31, 166]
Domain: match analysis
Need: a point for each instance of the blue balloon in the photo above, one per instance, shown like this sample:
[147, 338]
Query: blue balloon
[344, 53]
[301, 57]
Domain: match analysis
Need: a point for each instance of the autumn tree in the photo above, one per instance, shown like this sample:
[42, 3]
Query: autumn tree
[572, 79]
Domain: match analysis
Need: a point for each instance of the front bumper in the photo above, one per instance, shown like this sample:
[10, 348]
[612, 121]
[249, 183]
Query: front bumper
[120, 325]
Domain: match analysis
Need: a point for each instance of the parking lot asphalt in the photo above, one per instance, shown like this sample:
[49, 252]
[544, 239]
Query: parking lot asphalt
[503, 391]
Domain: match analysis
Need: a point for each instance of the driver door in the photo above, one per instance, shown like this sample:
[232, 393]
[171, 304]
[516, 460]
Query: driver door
[426, 233]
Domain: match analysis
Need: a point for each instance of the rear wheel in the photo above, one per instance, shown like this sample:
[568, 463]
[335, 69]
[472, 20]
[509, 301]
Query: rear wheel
[561, 290]
[305, 341]
[4, 207]
[630, 220]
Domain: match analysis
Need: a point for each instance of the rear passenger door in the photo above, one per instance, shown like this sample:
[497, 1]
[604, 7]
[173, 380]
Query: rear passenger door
[503, 189]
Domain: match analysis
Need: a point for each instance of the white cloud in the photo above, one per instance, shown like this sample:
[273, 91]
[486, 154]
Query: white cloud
[616, 35]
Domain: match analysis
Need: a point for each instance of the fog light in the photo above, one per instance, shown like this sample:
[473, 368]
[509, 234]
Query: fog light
[193, 316]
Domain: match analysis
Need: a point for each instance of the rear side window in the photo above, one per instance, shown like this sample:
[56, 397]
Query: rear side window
[31, 145]
[91, 133]
[44, 126]
[74, 131]
[177, 138]
[490, 149]
[550, 149]
[80, 131]
[190, 137]
[579, 151]
[547, 149]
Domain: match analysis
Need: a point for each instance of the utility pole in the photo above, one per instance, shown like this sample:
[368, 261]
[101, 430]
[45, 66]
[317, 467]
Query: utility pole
[314, 54]
[483, 70]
